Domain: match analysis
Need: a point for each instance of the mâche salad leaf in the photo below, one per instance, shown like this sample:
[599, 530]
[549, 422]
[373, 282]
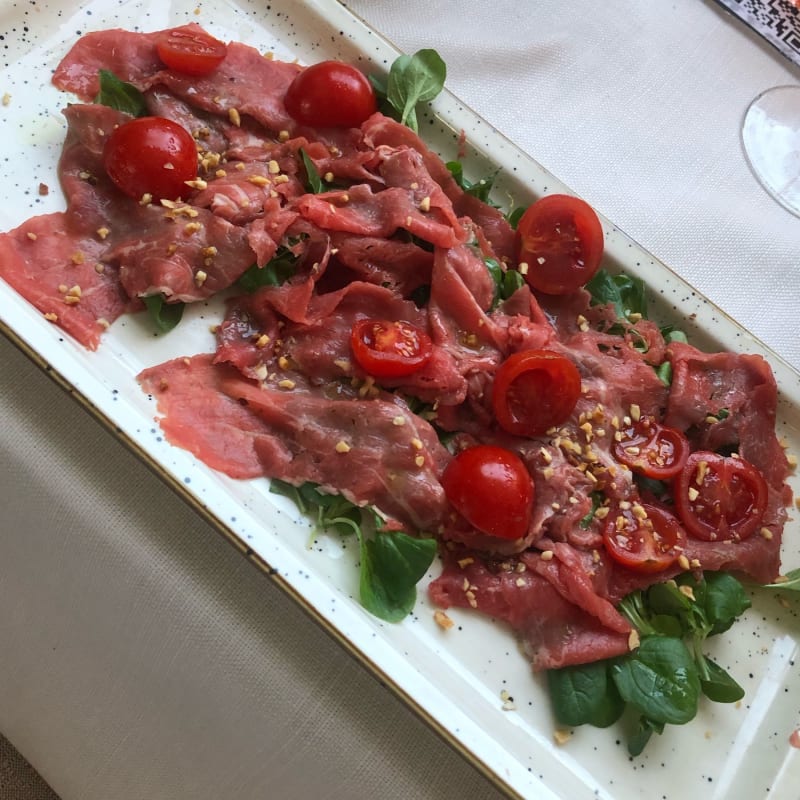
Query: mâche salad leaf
[392, 562]
[789, 583]
[412, 80]
[663, 678]
[506, 281]
[585, 695]
[118, 94]
[480, 188]
[165, 316]
[275, 272]
[660, 680]
[313, 178]
[626, 294]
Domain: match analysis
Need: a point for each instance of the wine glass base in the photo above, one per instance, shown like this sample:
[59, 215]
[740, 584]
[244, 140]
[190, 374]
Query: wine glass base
[771, 140]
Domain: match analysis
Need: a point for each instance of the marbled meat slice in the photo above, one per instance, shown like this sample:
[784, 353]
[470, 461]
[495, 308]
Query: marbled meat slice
[402, 266]
[360, 210]
[57, 261]
[727, 400]
[245, 82]
[495, 229]
[199, 417]
[183, 260]
[554, 631]
[57, 272]
[298, 432]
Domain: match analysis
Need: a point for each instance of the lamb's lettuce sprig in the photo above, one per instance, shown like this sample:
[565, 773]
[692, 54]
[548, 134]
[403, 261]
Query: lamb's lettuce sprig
[412, 80]
[119, 94]
[662, 680]
[392, 562]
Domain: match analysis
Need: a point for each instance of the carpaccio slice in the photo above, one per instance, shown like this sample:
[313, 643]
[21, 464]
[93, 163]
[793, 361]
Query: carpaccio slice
[282, 396]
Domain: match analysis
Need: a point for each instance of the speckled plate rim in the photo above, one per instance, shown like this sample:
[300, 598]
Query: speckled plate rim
[488, 736]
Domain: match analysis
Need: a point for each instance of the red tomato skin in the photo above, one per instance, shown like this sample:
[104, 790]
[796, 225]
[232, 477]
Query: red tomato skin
[560, 238]
[731, 500]
[151, 155]
[331, 94]
[640, 548]
[388, 349]
[191, 52]
[492, 489]
[533, 391]
[662, 451]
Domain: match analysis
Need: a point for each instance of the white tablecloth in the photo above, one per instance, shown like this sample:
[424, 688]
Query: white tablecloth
[140, 656]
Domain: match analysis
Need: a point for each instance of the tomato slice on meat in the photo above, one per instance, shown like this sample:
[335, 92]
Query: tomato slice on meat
[331, 94]
[151, 155]
[651, 449]
[492, 489]
[720, 498]
[643, 538]
[534, 390]
[389, 349]
[192, 52]
[560, 238]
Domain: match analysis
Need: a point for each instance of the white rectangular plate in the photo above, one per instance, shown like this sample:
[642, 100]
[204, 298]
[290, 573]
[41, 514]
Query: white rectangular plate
[453, 679]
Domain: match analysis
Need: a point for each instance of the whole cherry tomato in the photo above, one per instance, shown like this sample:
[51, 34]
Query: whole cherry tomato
[720, 498]
[533, 391]
[652, 449]
[151, 155]
[330, 94]
[389, 349]
[190, 50]
[648, 542]
[492, 489]
[560, 238]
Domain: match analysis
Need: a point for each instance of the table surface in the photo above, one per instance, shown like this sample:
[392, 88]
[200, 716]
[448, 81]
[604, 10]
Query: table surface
[142, 656]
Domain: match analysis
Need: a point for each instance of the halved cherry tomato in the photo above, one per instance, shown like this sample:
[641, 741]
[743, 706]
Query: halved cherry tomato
[720, 498]
[390, 349]
[151, 155]
[190, 51]
[652, 449]
[650, 543]
[534, 390]
[331, 94]
[560, 238]
[492, 489]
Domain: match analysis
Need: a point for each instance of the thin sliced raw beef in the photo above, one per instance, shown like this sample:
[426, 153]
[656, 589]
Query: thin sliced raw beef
[355, 447]
[555, 632]
[245, 81]
[297, 432]
[402, 266]
[319, 347]
[739, 391]
[57, 261]
[201, 418]
[125, 53]
[42, 262]
[380, 130]
[381, 214]
[184, 261]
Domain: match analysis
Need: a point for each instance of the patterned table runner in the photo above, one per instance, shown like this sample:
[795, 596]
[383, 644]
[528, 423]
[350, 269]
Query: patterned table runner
[778, 21]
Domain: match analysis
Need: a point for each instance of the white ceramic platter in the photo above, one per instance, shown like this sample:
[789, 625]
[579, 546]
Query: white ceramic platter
[454, 679]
